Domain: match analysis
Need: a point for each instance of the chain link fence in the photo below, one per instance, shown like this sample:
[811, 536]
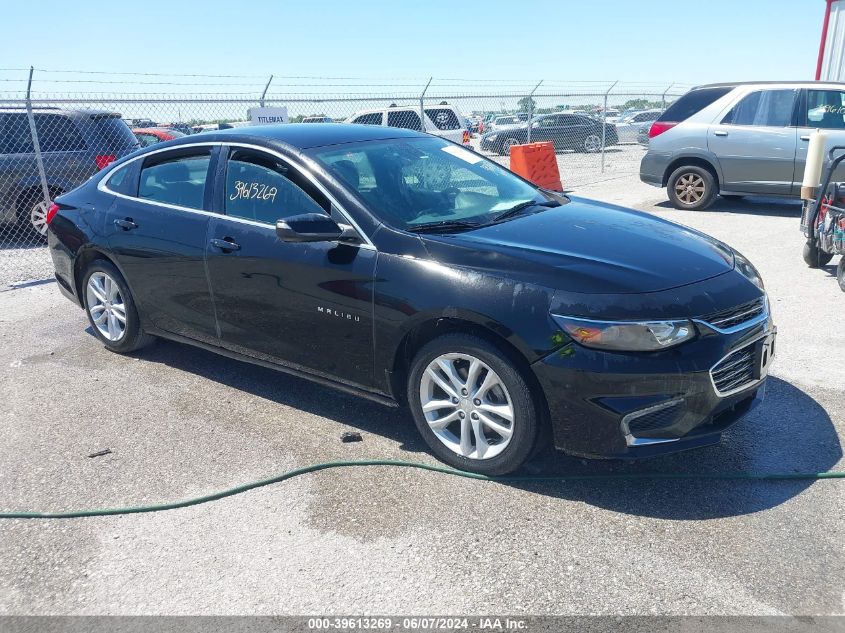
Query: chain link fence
[52, 140]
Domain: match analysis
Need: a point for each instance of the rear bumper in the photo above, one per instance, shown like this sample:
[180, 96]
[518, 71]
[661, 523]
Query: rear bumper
[63, 260]
[653, 166]
[613, 405]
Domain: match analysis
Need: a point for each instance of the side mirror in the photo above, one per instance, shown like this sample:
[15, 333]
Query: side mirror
[313, 227]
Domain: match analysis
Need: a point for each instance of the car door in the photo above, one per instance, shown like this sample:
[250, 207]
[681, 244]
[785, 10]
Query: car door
[755, 143]
[305, 304]
[822, 109]
[547, 128]
[156, 230]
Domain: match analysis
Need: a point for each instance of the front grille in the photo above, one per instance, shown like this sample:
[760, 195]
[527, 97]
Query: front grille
[735, 371]
[659, 419]
[732, 317]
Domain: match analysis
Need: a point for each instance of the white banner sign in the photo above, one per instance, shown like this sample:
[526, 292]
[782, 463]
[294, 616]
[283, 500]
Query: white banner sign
[268, 116]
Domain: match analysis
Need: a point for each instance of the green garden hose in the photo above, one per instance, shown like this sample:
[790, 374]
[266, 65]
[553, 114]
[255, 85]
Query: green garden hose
[75, 514]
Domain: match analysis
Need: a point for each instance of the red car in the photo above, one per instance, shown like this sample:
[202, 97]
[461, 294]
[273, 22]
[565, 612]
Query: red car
[152, 135]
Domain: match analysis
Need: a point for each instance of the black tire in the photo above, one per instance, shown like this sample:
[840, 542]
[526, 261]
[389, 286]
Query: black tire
[133, 336]
[526, 420]
[840, 273]
[697, 174]
[813, 257]
[26, 208]
[504, 146]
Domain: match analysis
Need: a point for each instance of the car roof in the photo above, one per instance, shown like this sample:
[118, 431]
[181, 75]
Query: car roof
[805, 82]
[304, 136]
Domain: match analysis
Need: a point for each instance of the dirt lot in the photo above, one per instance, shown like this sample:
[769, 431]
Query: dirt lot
[182, 422]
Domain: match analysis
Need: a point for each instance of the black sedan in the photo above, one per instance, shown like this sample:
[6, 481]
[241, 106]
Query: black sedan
[404, 268]
[567, 131]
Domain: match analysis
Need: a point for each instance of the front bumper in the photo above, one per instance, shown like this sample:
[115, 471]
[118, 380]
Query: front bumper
[628, 405]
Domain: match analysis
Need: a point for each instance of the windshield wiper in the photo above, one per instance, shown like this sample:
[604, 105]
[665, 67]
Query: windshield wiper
[442, 226]
[522, 206]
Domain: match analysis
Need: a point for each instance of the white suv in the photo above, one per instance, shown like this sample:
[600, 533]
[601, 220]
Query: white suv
[440, 120]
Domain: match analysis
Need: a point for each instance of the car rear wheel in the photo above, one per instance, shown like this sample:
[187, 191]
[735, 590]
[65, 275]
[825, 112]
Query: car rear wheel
[509, 142]
[840, 273]
[813, 257]
[32, 212]
[592, 143]
[111, 309]
[472, 405]
[691, 188]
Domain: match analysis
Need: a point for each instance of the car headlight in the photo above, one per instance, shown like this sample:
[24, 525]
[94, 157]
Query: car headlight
[629, 336]
[492, 137]
[748, 271]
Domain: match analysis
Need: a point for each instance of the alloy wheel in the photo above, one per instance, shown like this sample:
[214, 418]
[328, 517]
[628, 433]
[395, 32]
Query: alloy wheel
[507, 144]
[690, 188]
[467, 406]
[38, 217]
[106, 306]
[592, 143]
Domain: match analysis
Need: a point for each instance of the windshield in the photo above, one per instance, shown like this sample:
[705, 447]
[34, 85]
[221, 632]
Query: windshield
[415, 181]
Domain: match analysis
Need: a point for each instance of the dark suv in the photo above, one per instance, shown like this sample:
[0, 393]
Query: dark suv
[74, 143]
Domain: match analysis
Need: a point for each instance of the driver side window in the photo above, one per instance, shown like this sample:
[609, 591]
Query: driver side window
[262, 188]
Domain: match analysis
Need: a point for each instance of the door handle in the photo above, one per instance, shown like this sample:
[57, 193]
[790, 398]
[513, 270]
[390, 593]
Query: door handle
[720, 133]
[805, 138]
[127, 224]
[225, 245]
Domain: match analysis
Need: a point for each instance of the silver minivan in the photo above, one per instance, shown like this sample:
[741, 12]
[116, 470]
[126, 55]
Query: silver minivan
[741, 139]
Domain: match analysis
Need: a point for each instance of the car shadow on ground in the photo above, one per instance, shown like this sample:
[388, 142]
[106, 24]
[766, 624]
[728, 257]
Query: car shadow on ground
[789, 433]
[750, 205]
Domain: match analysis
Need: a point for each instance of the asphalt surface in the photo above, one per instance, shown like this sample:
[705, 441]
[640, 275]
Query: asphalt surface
[182, 422]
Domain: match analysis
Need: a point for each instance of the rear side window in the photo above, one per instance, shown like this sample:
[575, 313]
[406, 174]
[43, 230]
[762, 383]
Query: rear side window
[261, 188]
[443, 118]
[121, 181]
[693, 102]
[57, 133]
[112, 132]
[374, 118]
[407, 119]
[825, 109]
[179, 180]
[15, 135]
[771, 108]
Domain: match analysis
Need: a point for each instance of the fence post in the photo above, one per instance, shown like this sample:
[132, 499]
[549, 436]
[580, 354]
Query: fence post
[663, 98]
[264, 94]
[422, 107]
[39, 161]
[604, 123]
[531, 108]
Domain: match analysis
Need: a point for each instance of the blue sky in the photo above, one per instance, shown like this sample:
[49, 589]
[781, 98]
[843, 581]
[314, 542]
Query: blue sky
[688, 41]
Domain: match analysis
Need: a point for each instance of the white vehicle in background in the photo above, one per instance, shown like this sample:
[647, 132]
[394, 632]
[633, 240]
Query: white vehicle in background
[629, 127]
[442, 120]
[507, 122]
[610, 115]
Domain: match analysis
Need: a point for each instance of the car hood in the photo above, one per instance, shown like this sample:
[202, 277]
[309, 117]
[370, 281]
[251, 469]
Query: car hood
[588, 247]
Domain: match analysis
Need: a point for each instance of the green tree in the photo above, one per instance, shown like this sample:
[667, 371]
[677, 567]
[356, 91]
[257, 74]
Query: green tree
[526, 104]
[640, 104]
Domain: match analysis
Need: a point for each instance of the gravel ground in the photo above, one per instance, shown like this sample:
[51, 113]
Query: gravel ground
[182, 422]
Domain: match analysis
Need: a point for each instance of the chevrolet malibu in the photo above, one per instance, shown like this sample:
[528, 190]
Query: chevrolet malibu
[407, 269]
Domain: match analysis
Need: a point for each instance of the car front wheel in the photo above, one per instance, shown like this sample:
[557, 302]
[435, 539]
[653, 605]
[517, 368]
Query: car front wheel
[111, 309]
[472, 406]
[691, 188]
[505, 149]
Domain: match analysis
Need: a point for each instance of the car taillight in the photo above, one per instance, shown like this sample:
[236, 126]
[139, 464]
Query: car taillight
[103, 160]
[658, 127]
[51, 213]
[466, 137]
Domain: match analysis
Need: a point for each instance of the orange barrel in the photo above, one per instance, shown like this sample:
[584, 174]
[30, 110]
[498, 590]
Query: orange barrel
[537, 162]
